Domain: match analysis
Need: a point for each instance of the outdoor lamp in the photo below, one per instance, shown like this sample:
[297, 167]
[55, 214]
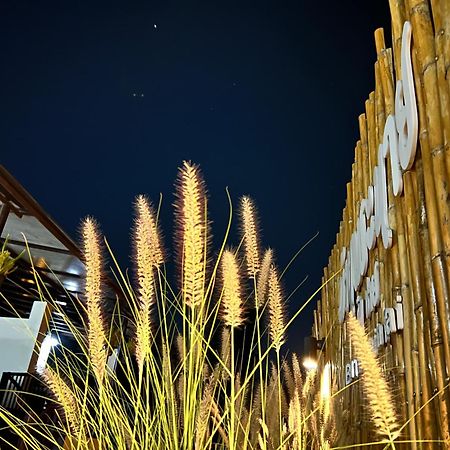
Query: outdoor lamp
[310, 348]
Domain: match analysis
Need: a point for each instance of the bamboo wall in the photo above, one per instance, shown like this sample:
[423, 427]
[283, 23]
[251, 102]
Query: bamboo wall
[416, 269]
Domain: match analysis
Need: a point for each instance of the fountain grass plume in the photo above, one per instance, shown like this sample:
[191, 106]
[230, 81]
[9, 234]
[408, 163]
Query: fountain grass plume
[148, 257]
[204, 414]
[232, 315]
[94, 297]
[379, 398]
[263, 277]
[297, 373]
[250, 231]
[211, 393]
[277, 313]
[296, 423]
[232, 305]
[65, 397]
[192, 232]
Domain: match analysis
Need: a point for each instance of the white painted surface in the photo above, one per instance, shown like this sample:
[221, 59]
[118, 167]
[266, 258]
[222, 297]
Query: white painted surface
[18, 339]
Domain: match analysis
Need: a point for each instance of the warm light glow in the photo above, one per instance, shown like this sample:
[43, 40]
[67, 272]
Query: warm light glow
[310, 364]
[46, 346]
[325, 385]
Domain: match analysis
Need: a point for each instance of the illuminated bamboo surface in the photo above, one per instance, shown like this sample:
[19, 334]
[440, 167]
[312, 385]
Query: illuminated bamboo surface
[414, 269]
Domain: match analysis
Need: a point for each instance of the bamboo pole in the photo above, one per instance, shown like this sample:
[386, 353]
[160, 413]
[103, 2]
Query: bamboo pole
[443, 29]
[434, 323]
[427, 420]
[399, 256]
[435, 275]
[426, 62]
[428, 429]
[444, 96]
[438, 293]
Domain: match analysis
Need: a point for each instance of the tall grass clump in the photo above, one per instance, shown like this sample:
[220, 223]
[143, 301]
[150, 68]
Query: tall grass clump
[200, 363]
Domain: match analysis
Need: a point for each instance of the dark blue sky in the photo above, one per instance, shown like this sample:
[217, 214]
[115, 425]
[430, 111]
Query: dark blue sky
[263, 95]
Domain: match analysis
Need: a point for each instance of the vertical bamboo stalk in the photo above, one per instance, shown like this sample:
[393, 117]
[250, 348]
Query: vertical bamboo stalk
[440, 23]
[417, 267]
[443, 29]
[428, 431]
[388, 269]
[426, 63]
[435, 278]
[434, 322]
[397, 9]
[399, 256]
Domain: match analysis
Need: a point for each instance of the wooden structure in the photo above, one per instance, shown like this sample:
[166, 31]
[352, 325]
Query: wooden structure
[413, 288]
[48, 250]
[30, 231]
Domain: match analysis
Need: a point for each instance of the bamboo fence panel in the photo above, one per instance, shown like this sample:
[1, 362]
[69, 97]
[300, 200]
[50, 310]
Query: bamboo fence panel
[414, 272]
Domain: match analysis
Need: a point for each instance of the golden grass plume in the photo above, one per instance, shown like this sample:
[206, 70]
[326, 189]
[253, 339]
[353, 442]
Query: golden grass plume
[277, 314]
[251, 236]
[381, 406]
[93, 294]
[263, 277]
[64, 397]
[232, 305]
[148, 257]
[192, 232]
[296, 420]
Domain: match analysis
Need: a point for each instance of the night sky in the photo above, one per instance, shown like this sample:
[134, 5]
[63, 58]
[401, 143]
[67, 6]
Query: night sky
[101, 101]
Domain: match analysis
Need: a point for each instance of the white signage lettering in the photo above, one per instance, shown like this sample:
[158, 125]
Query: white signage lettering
[399, 144]
[351, 371]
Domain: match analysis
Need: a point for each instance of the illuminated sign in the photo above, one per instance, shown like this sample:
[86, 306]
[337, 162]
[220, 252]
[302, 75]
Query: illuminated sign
[399, 144]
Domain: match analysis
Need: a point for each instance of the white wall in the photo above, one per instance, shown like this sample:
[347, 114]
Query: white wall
[18, 339]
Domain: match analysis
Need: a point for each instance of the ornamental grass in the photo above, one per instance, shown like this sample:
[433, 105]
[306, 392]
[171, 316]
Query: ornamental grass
[200, 361]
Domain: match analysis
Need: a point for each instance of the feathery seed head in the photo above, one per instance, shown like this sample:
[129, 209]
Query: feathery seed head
[143, 337]
[263, 277]
[93, 259]
[65, 398]
[192, 227]
[232, 310]
[179, 344]
[149, 256]
[295, 419]
[298, 377]
[374, 384]
[251, 237]
[204, 414]
[276, 310]
[93, 294]
[147, 235]
[225, 349]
